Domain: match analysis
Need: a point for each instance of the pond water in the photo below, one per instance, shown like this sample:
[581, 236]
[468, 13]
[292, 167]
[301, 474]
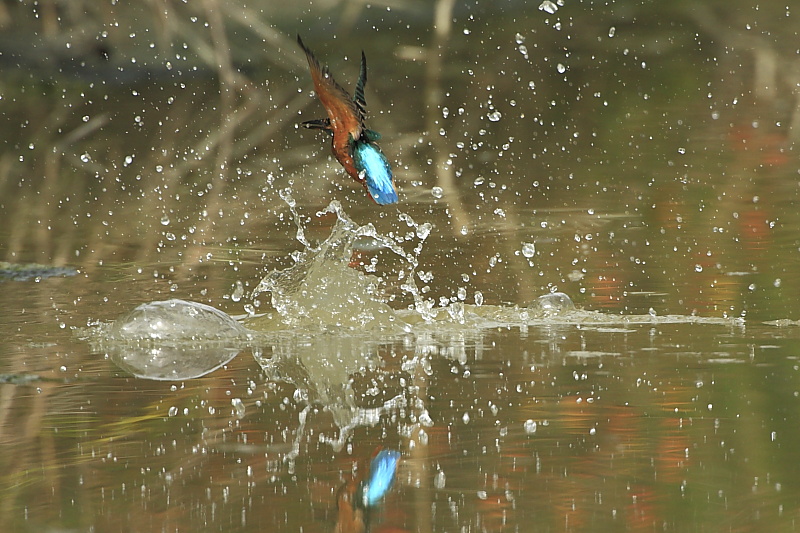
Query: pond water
[581, 315]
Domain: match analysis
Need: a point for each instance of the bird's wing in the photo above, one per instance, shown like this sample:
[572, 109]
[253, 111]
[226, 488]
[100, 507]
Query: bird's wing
[318, 124]
[342, 110]
[360, 101]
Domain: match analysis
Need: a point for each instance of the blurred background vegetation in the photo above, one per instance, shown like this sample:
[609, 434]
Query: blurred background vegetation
[163, 131]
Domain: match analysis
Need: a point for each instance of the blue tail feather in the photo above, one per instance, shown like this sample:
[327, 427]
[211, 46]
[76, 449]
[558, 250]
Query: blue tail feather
[377, 173]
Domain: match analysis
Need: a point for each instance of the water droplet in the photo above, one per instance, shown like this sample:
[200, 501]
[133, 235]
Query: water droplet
[478, 298]
[465, 418]
[561, 68]
[519, 38]
[611, 31]
[173, 411]
[425, 419]
[424, 230]
[437, 192]
[300, 396]
[528, 249]
[494, 116]
[86, 158]
[238, 291]
[440, 480]
[548, 7]
[165, 219]
[530, 426]
[238, 408]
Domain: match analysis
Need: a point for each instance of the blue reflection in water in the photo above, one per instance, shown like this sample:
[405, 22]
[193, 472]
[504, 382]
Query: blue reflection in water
[382, 471]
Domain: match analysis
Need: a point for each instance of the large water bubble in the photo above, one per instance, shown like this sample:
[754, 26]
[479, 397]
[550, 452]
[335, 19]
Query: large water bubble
[172, 340]
[551, 305]
[175, 320]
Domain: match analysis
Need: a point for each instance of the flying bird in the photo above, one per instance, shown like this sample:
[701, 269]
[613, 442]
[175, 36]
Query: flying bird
[354, 146]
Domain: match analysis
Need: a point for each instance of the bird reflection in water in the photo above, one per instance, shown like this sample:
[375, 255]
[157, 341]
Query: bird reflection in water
[353, 144]
[356, 497]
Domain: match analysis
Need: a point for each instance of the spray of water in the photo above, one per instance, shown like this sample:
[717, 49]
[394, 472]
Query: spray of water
[322, 289]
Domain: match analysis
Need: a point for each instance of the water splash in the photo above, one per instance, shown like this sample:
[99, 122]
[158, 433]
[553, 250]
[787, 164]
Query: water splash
[286, 196]
[323, 290]
[334, 334]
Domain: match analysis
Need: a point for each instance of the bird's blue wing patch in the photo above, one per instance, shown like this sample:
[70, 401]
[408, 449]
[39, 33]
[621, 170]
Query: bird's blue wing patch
[377, 172]
[382, 470]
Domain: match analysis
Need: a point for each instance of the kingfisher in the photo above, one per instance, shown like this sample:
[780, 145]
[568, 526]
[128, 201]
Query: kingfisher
[354, 146]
